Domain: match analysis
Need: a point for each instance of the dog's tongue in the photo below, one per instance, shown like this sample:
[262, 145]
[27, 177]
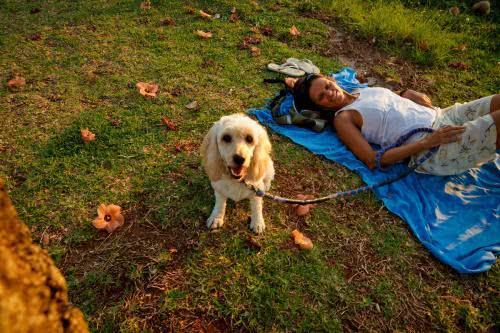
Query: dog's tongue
[237, 170]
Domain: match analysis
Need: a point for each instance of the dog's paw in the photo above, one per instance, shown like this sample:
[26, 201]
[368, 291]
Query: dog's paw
[214, 222]
[257, 226]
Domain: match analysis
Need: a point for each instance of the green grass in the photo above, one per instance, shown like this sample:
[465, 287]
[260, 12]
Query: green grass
[163, 269]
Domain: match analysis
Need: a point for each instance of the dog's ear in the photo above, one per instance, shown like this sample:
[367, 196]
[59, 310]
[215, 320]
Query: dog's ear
[212, 161]
[261, 157]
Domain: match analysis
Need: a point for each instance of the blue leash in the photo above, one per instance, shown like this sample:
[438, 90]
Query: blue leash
[401, 140]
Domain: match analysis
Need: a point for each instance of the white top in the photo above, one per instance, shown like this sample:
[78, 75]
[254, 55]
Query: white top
[387, 116]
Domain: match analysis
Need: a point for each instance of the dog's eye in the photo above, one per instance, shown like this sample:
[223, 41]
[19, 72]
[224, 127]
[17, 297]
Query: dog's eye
[249, 139]
[226, 138]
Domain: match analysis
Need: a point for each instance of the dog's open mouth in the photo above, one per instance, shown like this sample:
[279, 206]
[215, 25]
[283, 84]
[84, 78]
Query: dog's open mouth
[236, 172]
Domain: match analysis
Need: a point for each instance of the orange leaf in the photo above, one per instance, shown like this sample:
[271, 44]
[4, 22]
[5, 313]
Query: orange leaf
[203, 34]
[255, 51]
[302, 241]
[87, 135]
[17, 82]
[169, 123]
[205, 15]
[147, 89]
[294, 31]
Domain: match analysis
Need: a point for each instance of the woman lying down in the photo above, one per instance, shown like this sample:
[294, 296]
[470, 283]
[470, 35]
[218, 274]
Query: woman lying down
[467, 134]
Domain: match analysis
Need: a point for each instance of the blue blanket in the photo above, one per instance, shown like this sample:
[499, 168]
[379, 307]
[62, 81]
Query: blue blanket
[456, 217]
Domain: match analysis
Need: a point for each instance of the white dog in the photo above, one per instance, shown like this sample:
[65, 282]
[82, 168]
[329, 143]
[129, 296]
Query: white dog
[237, 149]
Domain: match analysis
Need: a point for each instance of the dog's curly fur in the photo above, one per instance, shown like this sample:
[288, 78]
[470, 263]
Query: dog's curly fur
[237, 148]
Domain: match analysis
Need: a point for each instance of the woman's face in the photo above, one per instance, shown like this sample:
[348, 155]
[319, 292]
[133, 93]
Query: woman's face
[326, 93]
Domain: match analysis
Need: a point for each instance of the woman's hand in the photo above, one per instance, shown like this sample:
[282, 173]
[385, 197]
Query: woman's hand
[290, 82]
[443, 135]
[417, 97]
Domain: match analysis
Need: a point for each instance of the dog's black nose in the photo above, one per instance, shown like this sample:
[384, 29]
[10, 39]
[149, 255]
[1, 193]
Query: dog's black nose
[238, 159]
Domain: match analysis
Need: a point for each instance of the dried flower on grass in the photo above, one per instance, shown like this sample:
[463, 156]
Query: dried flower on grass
[87, 135]
[294, 31]
[203, 35]
[302, 241]
[147, 89]
[255, 51]
[205, 15]
[192, 106]
[16, 82]
[169, 123]
[108, 217]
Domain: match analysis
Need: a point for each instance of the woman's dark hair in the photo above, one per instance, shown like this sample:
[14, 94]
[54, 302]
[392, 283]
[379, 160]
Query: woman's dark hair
[301, 93]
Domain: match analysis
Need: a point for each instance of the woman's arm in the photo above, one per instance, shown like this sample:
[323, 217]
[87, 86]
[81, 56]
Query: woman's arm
[417, 97]
[351, 136]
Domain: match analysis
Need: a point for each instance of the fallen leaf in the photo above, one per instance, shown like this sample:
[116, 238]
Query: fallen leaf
[87, 135]
[169, 123]
[17, 82]
[249, 40]
[204, 35]
[207, 63]
[192, 106]
[294, 31]
[266, 31]
[35, 11]
[205, 15]
[34, 37]
[168, 21]
[253, 243]
[146, 4]
[460, 47]
[255, 30]
[109, 217]
[423, 45]
[147, 89]
[302, 241]
[234, 15]
[255, 51]
[459, 65]
[454, 10]
[45, 239]
[185, 145]
[172, 250]
[115, 122]
[252, 40]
